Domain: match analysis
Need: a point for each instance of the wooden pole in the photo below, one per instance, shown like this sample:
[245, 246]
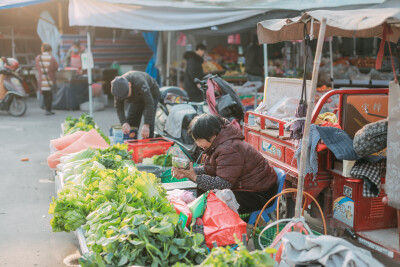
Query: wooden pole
[331, 59]
[60, 18]
[310, 108]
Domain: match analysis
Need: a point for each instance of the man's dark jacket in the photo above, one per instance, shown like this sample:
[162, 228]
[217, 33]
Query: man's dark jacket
[254, 60]
[194, 69]
[144, 91]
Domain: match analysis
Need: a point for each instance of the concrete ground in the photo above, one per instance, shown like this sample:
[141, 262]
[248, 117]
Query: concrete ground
[27, 187]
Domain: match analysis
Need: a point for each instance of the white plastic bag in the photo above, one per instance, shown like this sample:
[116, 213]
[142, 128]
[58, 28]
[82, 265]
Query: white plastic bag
[185, 196]
[285, 109]
[228, 198]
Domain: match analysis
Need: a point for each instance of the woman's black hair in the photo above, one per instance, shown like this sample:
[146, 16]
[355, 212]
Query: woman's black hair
[205, 126]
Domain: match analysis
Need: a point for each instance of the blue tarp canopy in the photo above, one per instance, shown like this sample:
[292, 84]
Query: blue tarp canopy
[6, 4]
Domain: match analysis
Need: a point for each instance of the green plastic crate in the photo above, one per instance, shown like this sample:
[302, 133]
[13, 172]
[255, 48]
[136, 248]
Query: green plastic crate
[269, 235]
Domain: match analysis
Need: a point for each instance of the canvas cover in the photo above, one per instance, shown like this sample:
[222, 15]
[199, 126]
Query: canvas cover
[354, 21]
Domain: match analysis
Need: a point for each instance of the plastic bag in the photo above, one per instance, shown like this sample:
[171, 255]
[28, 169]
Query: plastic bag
[185, 196]
[63, 142]
[198, 206]
[284, 109]
[180, 206]
[228, 198]
[221, 224]
[89, 139]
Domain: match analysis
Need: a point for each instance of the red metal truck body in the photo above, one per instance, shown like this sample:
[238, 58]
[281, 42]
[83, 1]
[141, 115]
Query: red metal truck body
[340, 197]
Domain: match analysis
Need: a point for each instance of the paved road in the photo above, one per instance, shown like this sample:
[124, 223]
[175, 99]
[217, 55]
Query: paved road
[26, 188]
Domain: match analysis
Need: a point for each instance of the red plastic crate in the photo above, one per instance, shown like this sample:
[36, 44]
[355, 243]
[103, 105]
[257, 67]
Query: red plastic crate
[146, 148]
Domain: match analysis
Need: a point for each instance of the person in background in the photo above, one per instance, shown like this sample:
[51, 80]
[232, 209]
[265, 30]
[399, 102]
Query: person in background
[254, 65]
[143, 94]
[230, 163]
[46, 66]
[73, 57]
[194, 69]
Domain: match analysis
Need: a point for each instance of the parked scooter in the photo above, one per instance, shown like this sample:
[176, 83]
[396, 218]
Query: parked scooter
[173, 98]
[12, 93]
[175, 113]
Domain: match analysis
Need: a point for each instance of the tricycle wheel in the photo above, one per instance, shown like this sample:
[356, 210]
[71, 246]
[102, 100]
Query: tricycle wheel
[17, 107]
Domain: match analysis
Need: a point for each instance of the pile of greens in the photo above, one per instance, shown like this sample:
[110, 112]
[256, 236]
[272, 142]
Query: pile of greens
[221, 257]
[139, 236]
[162, 160]
[83, 123]
[125, 214]
[113, 158]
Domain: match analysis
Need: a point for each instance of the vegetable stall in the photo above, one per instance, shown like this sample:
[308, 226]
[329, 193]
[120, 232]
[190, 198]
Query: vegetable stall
[123, 216]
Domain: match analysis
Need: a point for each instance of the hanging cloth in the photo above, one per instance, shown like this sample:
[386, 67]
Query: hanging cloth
[151, 39]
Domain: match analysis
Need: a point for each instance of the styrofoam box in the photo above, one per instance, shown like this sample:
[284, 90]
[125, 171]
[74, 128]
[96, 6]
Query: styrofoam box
[341, 81]
[360, 82]
[275, 88]
[380, 82]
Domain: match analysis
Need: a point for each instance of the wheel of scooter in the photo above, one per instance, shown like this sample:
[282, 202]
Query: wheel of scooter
[17, 107]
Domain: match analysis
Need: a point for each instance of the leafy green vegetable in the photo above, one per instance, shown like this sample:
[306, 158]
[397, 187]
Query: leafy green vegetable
[125, 214]
[221, 257]
[83, 123]
[163, 159]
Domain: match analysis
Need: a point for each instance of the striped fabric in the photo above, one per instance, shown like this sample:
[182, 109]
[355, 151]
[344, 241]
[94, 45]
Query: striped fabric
[44, 63]
[131, 51]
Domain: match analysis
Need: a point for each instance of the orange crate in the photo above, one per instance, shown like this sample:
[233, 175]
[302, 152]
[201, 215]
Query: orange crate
[146, 148]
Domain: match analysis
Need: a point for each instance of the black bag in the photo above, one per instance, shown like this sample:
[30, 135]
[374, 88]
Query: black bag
[226, 106]
[229, 104]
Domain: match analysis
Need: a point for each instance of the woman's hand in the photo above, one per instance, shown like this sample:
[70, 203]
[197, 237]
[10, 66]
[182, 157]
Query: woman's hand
[182, 173]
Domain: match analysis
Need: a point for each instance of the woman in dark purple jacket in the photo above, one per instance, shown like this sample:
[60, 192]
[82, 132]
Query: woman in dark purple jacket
[230, 163]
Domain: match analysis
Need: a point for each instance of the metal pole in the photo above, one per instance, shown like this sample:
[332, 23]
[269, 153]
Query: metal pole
[310, 108]
[89, 74]
[331, 59]
[374, 46]
[168, 57]
[12, 43]
[265, 46]
[265, 49]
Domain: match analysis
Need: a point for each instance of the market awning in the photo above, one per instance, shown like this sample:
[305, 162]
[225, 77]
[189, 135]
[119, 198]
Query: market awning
[6, 4]
[102, 14]
[167, 15]
[243, 25]
[360, 22]
[246, 4]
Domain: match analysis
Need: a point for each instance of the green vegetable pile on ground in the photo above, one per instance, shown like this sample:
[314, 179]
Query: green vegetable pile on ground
[83, 123]
[241, 257]
[125, 214]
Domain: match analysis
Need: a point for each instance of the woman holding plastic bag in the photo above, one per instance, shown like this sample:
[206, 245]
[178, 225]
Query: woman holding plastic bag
[230, 163]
